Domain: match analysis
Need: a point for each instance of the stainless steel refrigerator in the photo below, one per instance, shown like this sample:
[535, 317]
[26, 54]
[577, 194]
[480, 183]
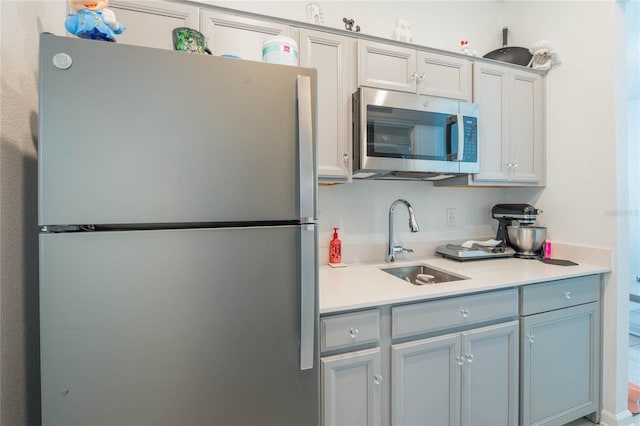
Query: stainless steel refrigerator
[178, 254]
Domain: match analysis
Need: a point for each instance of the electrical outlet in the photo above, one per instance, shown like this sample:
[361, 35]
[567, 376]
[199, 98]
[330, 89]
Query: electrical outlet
[451, 217]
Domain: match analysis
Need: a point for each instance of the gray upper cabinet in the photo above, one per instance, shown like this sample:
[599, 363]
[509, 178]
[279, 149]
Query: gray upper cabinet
[392, 67]
[444, 76]
[333, 56]
[231, 34]
[150, 23]
[511, 125]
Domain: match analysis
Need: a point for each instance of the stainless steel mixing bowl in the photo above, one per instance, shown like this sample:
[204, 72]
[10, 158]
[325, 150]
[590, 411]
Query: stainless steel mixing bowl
[526, 239]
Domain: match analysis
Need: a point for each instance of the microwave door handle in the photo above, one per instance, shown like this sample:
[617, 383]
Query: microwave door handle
[452, 147]
[460, 138]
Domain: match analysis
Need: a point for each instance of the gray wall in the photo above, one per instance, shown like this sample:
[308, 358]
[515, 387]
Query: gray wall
[20, 25]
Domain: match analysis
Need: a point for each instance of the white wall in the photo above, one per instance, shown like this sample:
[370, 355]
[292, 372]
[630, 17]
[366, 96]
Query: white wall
[581, 120]
[437, 24]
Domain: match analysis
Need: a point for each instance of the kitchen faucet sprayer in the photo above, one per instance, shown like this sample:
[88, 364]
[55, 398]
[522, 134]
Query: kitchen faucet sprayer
[413, 226]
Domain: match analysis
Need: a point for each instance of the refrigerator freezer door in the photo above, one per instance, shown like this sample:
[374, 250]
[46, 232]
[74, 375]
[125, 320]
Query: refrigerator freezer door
[132, 135]
[175, 327]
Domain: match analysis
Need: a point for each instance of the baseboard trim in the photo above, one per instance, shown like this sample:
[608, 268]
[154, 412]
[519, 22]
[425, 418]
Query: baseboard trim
[624, 418]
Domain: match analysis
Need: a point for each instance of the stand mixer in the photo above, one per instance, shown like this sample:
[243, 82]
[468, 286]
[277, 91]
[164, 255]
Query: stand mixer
[513, 219]
[515, 228]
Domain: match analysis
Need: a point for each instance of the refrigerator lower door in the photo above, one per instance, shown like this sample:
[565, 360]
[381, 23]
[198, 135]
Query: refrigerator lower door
[176, 327]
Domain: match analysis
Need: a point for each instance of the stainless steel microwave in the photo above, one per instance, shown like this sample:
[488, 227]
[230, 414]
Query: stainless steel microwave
[407, 136]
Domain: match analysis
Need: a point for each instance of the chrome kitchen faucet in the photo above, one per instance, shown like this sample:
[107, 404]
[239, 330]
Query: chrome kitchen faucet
[413, 226]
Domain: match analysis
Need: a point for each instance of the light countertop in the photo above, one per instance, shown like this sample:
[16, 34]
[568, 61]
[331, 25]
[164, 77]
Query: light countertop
[366, 285]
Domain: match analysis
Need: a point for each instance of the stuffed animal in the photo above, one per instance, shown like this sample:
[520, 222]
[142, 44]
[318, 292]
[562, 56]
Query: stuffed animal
[93, 20]
[402, 31]
[464, 48]
[544, 56]
[314, 14]
[348, 25]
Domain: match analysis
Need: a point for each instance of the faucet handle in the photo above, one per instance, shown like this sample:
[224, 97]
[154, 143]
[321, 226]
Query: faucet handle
[400, 249]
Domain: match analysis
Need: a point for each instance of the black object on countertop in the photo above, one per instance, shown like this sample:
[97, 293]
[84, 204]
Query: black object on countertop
[561, 262]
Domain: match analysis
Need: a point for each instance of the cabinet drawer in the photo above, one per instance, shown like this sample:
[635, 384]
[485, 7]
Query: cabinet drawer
[347, 330]
[420, 318]
[559, 294]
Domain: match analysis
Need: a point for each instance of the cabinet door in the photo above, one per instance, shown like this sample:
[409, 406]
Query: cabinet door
[511, 129]
[386, 67]
[526, 127]
[444, 76]
[490, 375]
[238, 35]
[333, 56]
[560, 365]
[150, 23]
[425, 382]
[351, 389]
[491, 85]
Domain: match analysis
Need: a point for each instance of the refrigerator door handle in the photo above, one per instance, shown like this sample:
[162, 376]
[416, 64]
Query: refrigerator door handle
[307, 296]
[306, 157]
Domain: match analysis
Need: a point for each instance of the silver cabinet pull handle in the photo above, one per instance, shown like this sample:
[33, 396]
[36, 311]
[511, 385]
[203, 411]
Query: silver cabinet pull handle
[464, 312]
[567, 295]
[468, 358]
[377, 379]
[530, 338]
[353, 332]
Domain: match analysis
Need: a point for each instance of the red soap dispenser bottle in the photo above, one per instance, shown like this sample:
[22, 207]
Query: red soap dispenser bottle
[335, 248]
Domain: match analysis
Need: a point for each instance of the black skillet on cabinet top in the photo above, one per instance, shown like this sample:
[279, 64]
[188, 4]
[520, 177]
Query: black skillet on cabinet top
[511, 54]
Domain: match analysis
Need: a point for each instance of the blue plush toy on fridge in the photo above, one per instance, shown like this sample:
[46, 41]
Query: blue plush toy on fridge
[93, 20]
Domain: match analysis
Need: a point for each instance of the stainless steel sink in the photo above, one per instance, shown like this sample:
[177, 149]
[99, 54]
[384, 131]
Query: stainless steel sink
[423, 275]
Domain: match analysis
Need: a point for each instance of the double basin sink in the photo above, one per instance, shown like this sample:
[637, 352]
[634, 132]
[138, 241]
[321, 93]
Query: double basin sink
[423, 274]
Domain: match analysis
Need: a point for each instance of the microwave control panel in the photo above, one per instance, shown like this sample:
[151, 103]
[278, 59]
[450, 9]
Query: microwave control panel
[470, 153]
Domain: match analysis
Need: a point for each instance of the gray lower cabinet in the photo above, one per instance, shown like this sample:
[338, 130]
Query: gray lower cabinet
[454, 361]
[351, 379]
[560, 349]
[351, 388]
[460, 378]
[517, 356]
